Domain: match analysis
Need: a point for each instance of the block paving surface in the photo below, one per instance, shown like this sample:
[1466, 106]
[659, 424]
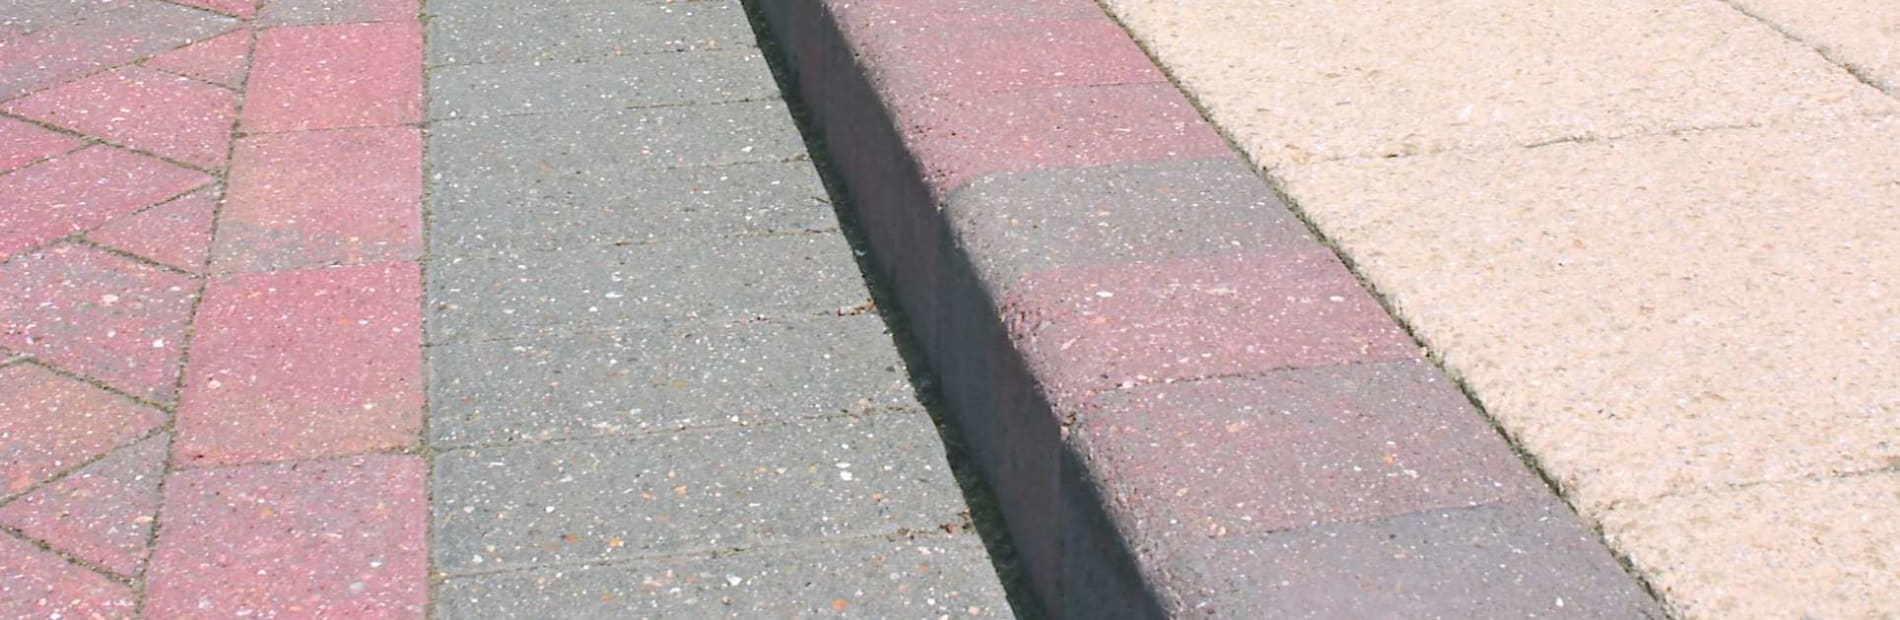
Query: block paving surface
[642, 376]
[494, 309]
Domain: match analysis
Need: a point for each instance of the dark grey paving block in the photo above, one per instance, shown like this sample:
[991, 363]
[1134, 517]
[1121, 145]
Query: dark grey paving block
[701, 135]
[454, 7]
[616, 203]
[642, 381]
[607, 83]
[1316, 445]
[617, 499]
[289, 12]
[1527, 559]
[1019, 223]
[649, 286]
[925, 577]
[576, 31]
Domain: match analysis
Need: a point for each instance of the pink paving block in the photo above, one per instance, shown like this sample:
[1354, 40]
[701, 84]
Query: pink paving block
[1093, 327]
[81, 190]
[961, 136]
[125, 34]
[970, 56]
[37, 584]
[50, 423]
[864, 19]
[23, 143]
[322, 197]
[321, 77]
[101, 514]
[1292, 448]
[331, 539]
[303, 364]
[220, 59]
[146, 109]
[238, 8]
[98, 314]
[175, 233]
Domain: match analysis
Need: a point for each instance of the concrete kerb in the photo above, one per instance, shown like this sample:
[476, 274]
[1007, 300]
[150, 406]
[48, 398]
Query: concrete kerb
[1096, 538]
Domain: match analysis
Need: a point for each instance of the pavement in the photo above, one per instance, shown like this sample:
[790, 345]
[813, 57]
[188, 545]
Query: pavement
[1655, 240]
[480, 308]
[366, 309]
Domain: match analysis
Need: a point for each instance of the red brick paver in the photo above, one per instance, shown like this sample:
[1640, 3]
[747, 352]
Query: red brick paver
[175, 233]
[38, 584]
[1100, 326]
[962, 136]
[303, 364]
[323, 197]
[101, 514]
[50, 423]
[220, 59]
[99, 314]
[23, 143]
[117, 123]
[332, 539]
[326, 77]
[175, 117]
[78, 191]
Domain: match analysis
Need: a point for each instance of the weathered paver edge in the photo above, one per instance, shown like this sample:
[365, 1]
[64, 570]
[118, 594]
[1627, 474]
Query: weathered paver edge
[983, 349]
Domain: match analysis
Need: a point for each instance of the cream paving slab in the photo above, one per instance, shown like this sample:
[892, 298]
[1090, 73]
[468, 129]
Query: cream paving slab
[1805, 549]
[1650, 316]
[1307, 80]
[1863, 34]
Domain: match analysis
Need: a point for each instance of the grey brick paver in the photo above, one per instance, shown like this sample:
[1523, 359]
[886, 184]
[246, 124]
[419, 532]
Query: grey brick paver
[618, 203]
[622, 499]
[704, 135]
[648, 286]
[1526, 559]
[579, 31]
[906, 577]
[629, 81]
[653, 381]
[643, 381]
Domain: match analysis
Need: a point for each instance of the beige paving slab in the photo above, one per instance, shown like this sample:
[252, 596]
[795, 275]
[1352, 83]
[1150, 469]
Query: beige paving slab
[1651, 316]
[1307, 80]
[1806, 549]
[1862, 34]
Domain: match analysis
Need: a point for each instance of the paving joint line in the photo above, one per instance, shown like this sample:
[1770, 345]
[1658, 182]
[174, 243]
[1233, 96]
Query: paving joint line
[1862, 74]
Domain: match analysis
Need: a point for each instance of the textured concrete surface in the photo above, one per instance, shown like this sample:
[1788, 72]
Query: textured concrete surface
[1858, 34]
[1804, 548]
[1419, 76]
[1646, 315]
[1653, 238]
